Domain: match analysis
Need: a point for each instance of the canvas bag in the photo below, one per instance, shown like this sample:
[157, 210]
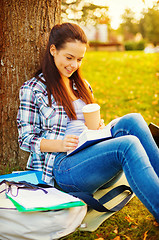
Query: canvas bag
[52, 224]
[41, 225]
[93, 218]
[48, 225]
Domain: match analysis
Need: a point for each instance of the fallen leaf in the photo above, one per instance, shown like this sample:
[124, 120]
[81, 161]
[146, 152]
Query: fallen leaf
[155, 102]
[156, 224]
[99, 239]
[133, 226]
[157, 74]
[145, 235]
[130, 219]
[127, 237]
[116, 230]
[116, 238]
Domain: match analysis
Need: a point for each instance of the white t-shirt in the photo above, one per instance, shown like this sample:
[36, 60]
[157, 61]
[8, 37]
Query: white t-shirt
[76, 127]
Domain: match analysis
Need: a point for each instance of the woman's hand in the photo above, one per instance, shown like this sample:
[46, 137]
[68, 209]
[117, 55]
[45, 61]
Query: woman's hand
[101, 124]
[70, 142]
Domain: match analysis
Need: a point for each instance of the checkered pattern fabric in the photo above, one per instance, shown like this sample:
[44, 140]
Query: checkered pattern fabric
[37, 120]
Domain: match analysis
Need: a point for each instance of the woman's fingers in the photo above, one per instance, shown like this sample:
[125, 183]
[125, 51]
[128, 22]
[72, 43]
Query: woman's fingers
[101, 124]
[70, 142]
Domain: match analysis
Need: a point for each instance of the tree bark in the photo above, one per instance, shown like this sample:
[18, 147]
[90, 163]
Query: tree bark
[24, 30]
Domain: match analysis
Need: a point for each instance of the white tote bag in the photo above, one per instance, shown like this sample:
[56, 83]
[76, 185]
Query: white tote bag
[49, 225]
[38, 225]
[54, 224]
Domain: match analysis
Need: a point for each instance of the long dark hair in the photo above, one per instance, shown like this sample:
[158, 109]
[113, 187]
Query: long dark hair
[59, 36]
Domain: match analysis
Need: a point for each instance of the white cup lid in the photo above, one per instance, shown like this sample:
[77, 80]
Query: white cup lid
[92, 107]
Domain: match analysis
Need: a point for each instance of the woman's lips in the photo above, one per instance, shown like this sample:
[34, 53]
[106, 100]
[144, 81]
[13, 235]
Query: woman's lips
[69, 71]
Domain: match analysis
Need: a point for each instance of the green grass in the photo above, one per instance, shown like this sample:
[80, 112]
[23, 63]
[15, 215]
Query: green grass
[124, 82]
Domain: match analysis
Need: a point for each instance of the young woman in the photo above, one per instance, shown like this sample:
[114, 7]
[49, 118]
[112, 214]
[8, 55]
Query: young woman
[50, 120]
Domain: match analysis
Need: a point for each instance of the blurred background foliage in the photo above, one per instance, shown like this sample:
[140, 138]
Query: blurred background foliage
[134, 33]
[83, 12]
[147, 26]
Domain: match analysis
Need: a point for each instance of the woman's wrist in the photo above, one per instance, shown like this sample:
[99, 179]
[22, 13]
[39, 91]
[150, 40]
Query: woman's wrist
[51, 145]
[70, 142]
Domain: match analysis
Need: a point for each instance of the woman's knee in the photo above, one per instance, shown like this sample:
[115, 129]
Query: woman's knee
[131, 142]
[133, 117]
[129, 124]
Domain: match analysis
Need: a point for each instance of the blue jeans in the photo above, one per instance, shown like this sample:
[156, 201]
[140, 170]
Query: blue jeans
[132, 150]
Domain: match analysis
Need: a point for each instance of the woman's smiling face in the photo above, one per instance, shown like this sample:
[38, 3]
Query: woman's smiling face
[69, 58]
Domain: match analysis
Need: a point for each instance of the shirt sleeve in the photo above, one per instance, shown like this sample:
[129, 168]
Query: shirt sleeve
[28, 121]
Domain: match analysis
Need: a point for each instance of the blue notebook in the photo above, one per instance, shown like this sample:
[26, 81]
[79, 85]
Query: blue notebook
[30, 176]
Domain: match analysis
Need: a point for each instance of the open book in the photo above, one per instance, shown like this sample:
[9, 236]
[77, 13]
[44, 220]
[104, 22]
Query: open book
[91, 137]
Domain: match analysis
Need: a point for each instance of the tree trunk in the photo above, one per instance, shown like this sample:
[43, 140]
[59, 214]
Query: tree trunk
[24, 30]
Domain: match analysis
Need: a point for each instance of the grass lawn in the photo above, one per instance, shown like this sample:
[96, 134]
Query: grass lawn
[124, 82]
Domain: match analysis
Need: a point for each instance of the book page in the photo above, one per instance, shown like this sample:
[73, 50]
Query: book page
[90, 137]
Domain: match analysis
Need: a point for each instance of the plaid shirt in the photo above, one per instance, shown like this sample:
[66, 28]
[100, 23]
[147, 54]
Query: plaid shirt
[37, 120]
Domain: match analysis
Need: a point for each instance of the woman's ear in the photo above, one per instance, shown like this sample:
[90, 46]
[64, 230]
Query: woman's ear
[52, 50]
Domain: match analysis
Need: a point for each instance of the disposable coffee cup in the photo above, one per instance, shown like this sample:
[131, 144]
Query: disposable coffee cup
[91, 114]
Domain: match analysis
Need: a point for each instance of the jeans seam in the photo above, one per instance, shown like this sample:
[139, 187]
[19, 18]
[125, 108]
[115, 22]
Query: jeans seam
[68, 185]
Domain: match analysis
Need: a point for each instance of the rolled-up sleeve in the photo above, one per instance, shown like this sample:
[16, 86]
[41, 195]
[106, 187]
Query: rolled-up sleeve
[28, 120]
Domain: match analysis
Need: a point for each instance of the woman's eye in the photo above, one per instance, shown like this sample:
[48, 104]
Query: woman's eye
[69, 58]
